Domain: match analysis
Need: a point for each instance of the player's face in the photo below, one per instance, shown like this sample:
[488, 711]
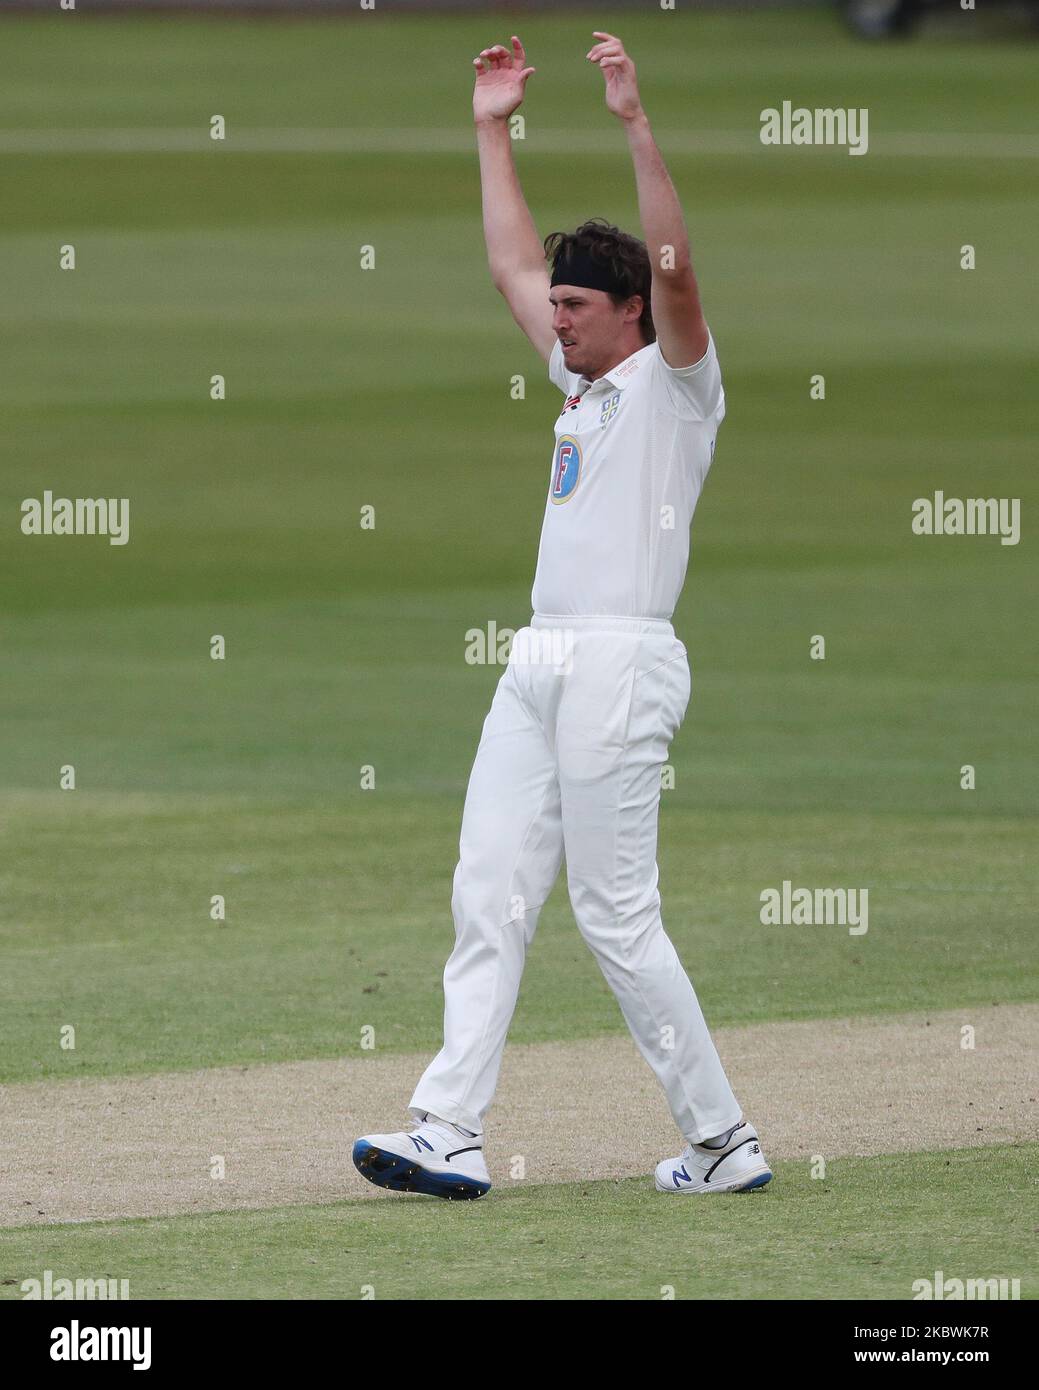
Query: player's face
[588, 324]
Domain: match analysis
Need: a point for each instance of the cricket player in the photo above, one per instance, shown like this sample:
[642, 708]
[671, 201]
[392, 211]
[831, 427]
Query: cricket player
[571, 753]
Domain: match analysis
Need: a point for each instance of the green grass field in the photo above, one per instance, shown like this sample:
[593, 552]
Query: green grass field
[345, 647]
[868, 1229]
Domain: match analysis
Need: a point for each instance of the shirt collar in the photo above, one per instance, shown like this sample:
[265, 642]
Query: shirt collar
[620, 376]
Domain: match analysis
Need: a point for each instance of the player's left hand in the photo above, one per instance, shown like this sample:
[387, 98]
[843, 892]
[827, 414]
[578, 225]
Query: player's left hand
[622, 88]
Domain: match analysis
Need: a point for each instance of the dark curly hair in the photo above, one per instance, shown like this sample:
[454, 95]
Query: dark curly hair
[626, 256]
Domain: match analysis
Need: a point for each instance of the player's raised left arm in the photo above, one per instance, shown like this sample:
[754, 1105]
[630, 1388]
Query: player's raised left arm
[677, 313]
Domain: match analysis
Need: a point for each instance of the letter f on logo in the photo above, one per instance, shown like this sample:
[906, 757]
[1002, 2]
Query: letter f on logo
[567, 468]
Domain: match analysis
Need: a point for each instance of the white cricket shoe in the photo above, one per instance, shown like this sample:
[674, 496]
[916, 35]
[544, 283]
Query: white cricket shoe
[435, 1159]
[737, 1167]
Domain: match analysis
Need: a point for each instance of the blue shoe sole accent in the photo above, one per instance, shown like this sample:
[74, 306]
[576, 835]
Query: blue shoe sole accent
[759, 1181]
[399, 1174]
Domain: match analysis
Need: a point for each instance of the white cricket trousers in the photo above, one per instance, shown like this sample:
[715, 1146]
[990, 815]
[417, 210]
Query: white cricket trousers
[569, 763]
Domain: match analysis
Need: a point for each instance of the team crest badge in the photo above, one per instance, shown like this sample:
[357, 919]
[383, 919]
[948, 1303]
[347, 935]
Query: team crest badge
[610, 406]
[566, 468]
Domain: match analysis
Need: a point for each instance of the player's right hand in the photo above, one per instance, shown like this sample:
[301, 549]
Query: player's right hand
[501, 78]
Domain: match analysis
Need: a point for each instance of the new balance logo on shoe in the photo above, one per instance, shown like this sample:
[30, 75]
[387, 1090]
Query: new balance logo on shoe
[420, 1143]
[731, 1165]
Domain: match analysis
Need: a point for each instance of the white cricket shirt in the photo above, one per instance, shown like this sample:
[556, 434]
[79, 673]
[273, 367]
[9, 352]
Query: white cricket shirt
[631, 453]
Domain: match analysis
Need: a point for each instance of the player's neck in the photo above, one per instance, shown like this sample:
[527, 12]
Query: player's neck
[627, 348]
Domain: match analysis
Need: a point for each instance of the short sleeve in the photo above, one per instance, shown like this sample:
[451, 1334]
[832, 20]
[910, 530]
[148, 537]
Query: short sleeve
[557, 372]
[694, 392]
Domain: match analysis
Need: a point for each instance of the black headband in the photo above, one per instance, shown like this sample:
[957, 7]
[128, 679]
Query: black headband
[580, 268]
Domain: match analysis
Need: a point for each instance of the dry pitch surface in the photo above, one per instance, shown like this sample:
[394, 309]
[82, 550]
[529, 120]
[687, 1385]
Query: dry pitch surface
[127, 1147]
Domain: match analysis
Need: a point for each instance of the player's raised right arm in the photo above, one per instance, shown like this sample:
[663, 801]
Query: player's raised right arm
[514, 253]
